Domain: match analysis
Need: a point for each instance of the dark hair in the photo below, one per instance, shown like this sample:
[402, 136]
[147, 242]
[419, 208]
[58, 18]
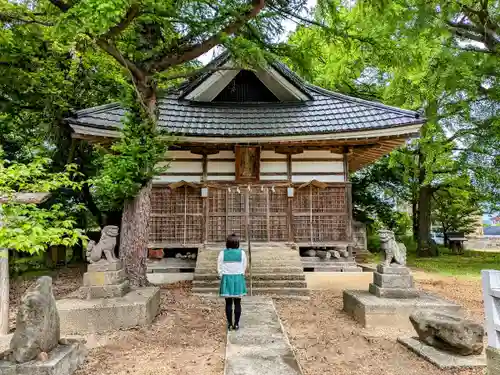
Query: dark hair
[232, 242]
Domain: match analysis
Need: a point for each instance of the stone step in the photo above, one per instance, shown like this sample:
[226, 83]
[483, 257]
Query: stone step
[332, 269]
[331, 260]
[256, 276]
[298, 270]
[255, 283]
[260, 291]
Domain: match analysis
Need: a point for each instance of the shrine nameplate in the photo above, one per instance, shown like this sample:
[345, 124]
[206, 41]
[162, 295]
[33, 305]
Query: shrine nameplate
[247, 164]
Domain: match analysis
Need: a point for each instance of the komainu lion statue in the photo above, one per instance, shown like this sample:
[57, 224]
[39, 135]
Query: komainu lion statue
[105, 246]
[395, 252]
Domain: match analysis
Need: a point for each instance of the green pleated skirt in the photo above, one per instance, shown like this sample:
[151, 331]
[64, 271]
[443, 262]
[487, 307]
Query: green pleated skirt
[233, 286]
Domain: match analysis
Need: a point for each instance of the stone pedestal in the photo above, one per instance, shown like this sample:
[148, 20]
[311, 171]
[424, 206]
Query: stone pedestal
[62, 360]
[372, 311]
[493, 360]
[137, 308]
[391, 299]
[106, 302]
[393, 281]
[105, 280]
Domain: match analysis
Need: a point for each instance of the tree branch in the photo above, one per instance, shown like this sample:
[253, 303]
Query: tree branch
[191, 52]
[111, 49]
[7, 17]
[131, 14]
[64, 7]
[193, 73]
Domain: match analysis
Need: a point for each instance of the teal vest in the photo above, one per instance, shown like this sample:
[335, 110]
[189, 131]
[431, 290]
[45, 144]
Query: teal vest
[232, 255]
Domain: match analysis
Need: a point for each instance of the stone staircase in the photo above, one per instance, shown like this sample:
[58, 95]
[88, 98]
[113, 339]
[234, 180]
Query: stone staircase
[277, 271]
[316, 264]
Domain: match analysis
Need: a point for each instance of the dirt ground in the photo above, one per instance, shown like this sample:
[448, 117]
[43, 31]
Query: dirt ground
[326, 341]
[188, 336]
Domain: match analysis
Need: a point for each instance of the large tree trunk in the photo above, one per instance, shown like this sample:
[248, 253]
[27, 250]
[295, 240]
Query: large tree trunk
[4, 291]
[425, 248]
[414, 212]
[135, 235]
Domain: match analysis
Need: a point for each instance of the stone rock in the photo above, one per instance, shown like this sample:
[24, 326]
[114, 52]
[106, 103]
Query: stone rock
[323, 254]
[335, 254]
[37, 323]
[178, 255]
[310, 253]
[448, 332]
[193, 256]
[344, 254]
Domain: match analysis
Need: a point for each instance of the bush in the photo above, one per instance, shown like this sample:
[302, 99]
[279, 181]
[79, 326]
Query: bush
[373, 243]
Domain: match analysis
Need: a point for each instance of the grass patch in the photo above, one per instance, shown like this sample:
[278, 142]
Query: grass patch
[469, 264]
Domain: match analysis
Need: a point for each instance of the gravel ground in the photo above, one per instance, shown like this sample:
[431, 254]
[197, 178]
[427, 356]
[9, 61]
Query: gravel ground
[326, 341]
[188, 336]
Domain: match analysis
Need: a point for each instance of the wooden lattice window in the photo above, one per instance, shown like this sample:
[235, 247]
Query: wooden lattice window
[176, 216]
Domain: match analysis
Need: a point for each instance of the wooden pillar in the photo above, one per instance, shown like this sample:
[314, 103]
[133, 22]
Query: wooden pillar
[4, 287]
[268, 214]
[291, 237]
[4, 291]
[348, 191]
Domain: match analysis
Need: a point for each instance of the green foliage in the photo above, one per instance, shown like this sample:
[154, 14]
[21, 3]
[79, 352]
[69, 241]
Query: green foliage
[408, 54]
[28, 227]
[456, 209]
[469, 264]
[131, 162]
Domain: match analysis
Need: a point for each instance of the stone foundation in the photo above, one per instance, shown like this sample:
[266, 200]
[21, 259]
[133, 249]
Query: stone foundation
[493, 360]
[137, 308]
[63, 360]
[393, 282]
[372, 311]
[105, 280]
[441, 358]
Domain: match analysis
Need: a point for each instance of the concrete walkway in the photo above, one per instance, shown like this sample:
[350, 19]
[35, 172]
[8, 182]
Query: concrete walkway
[260, 347]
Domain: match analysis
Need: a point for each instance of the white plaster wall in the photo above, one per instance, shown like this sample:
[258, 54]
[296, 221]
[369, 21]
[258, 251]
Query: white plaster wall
[333, 166]
[170, 179]
[222, 155]
[323, 178]
[175, 154]
[274, 178]
[314, 154]
[221, 167]
[183, 166]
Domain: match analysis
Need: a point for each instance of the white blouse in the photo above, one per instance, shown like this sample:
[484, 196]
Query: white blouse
[231, 268]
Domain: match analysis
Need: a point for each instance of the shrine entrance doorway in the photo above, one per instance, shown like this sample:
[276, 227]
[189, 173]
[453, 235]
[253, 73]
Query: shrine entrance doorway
[265, 208]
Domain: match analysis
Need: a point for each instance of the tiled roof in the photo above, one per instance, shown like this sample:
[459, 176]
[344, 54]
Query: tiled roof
[326, 113]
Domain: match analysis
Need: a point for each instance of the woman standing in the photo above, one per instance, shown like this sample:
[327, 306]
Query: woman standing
[231, 266]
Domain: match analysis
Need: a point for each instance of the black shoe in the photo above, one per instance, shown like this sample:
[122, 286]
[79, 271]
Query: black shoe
[236, 327]
[230, 327]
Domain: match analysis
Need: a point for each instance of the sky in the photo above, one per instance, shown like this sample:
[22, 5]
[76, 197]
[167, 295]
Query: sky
[289, 26]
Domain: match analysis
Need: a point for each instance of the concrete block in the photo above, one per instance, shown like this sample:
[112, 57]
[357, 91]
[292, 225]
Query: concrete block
[441, 358]
[393, 270]
[106, 291]
[137, 308]
[103, 278]
[399, 293]
[493, 360]
[63, 360]
[393, 281]
[159, 278]
[372, 311]
[104, 265]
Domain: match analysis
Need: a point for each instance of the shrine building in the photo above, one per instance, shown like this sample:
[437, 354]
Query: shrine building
[261, 143]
